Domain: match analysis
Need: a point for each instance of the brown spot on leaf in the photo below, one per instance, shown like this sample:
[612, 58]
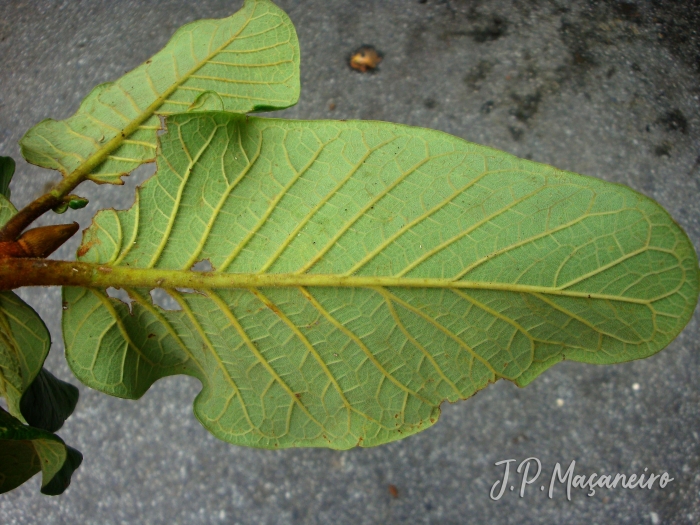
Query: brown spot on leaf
[88, 245]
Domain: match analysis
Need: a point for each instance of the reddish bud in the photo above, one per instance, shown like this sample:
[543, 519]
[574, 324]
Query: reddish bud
[38, 242]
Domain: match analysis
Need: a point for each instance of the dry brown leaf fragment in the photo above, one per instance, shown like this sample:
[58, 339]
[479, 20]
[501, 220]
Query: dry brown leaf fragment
[365, 58]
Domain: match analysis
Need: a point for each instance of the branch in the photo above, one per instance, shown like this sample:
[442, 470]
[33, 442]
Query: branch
[16, 225]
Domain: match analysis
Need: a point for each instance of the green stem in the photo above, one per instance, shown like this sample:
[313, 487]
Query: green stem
[27, 215]
[14, 227]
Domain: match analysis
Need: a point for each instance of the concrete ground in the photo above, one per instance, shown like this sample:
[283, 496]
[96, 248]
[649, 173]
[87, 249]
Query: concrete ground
[604, 88]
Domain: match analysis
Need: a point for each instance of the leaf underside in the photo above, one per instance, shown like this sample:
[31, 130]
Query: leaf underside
[418, 268]
[248, 61]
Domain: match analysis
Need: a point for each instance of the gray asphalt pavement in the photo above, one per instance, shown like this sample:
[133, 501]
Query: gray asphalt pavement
[604, 88]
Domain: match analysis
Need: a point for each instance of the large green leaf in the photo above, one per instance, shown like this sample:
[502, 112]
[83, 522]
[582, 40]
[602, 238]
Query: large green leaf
[24, 451]
[250, 60]
[363, 273]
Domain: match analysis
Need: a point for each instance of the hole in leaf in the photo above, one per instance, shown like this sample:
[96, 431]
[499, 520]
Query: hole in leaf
[135, 179]
[202, 266]
[163, 127]
[120, 295]
[163, 299]
[102, 192]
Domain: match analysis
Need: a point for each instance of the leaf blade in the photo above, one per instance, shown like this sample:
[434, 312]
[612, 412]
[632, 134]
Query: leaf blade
[24, 345]
[48, 401]
[364, 273]
[27, 450]
[250, 60]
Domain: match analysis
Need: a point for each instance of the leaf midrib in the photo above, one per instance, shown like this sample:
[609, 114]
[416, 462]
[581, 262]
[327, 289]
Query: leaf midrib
[110, 276]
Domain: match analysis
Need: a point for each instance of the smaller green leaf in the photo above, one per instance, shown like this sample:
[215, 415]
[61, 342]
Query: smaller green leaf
[24, 345]
[7, 169]
[48, 401]
[25, 450]
[250, 59]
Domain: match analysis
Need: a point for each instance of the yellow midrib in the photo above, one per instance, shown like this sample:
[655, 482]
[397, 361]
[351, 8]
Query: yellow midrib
[118, 276]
